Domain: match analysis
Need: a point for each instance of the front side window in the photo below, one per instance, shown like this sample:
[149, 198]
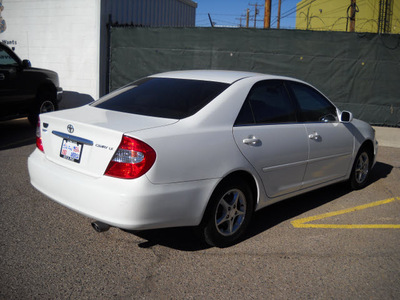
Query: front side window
[6, 59]
[314, 107]
[267, 103]
[162, 97]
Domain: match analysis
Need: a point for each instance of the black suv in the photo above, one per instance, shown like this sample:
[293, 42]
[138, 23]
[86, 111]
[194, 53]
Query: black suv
[25, 91]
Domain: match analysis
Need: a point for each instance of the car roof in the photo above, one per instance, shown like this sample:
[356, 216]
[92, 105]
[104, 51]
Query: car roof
[213, 75]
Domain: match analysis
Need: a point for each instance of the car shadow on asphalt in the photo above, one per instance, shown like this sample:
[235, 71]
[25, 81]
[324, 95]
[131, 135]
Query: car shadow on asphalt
[185, 239]
[16, 133]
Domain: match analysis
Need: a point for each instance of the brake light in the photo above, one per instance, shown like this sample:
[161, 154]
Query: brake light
[39, 143]
[132, 159]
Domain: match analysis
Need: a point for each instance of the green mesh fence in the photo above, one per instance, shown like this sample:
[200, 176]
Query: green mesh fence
[358, 72]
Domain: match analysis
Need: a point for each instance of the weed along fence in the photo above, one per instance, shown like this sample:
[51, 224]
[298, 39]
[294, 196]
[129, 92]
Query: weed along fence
[358, 72]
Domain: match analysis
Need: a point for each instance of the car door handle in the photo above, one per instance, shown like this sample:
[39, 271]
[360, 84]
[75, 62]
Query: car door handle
[2, 76]
[314, 136]
[252, 141]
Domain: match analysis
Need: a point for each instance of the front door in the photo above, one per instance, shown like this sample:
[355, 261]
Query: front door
[331, 151]
[330, 142]
[14, 96]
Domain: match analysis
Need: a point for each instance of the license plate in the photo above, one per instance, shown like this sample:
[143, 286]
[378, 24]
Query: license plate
[71, 150]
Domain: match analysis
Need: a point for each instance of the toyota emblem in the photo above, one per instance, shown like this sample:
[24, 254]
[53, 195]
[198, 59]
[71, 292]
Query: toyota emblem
[70, 128]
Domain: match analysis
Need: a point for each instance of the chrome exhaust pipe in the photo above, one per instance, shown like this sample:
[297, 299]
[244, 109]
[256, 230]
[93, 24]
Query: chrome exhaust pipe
[100, 226]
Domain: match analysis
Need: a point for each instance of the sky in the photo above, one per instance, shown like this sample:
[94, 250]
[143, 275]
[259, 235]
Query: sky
[229, 13]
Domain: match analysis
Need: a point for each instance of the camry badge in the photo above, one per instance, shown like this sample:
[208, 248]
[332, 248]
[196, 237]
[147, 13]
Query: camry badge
[70, 128]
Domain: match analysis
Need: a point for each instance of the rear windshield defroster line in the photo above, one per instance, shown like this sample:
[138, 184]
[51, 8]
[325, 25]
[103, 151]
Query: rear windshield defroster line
[162, 97]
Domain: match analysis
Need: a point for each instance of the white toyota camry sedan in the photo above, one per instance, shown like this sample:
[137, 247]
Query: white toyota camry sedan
[197, 148]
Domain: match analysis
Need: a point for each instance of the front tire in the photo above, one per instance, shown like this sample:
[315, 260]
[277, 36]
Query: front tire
[361, 169]
[228, 215]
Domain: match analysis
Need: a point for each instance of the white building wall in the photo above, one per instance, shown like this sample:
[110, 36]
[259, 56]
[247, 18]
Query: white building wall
[60, 35]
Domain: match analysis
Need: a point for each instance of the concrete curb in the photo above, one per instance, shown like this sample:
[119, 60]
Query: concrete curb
[388, 136]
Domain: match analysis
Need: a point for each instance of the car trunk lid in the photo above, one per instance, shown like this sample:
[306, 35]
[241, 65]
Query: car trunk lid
[85, 139]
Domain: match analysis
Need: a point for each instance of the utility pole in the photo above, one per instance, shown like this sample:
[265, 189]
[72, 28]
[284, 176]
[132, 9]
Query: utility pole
[353, 15]
[256, 12]
[255, 15]
[267, 14]
[279, 15]
[211, 22]
[244, 17]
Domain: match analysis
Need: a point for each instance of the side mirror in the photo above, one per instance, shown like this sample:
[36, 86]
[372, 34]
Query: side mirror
[26, 63]
[346, 117]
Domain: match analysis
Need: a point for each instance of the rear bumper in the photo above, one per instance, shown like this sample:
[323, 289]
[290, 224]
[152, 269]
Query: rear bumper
[128, 204]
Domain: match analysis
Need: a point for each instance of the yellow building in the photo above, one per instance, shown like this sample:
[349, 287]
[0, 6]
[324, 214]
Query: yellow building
[377, 16]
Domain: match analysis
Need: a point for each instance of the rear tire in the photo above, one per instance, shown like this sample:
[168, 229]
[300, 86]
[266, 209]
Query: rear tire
[361, 169]
[44, 103]
[228, 214]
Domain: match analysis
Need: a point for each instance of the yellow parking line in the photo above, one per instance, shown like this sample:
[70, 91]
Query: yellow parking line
[301, 223]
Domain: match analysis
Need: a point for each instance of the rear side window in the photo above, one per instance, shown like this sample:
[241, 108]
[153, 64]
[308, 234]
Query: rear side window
[268, 102]
[162, 97]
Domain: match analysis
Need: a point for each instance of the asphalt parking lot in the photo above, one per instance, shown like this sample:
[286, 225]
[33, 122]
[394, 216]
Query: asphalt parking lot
[331, 243]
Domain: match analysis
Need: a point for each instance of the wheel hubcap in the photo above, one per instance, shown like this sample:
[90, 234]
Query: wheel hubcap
[362, 168]
[47, 106]
[230, 213]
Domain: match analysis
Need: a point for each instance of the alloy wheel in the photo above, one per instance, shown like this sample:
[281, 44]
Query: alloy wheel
[362, 168]
[230, 212]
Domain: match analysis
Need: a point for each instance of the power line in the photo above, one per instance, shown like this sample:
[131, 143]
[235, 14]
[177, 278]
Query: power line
[296, 9]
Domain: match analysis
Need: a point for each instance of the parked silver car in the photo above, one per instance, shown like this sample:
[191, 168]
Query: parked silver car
[198, 148]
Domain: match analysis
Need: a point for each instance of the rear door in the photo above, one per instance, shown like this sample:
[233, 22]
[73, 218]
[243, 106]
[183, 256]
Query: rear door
[268, 135]
[330, 142]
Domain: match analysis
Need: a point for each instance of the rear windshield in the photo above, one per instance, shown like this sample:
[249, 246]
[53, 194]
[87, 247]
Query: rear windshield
[162, 97]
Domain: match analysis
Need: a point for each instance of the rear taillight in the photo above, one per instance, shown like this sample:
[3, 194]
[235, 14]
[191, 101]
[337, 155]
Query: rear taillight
[132, 159]
[39, 143]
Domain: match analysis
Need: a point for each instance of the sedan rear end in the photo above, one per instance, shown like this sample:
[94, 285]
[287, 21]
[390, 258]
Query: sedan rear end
[95, 159]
